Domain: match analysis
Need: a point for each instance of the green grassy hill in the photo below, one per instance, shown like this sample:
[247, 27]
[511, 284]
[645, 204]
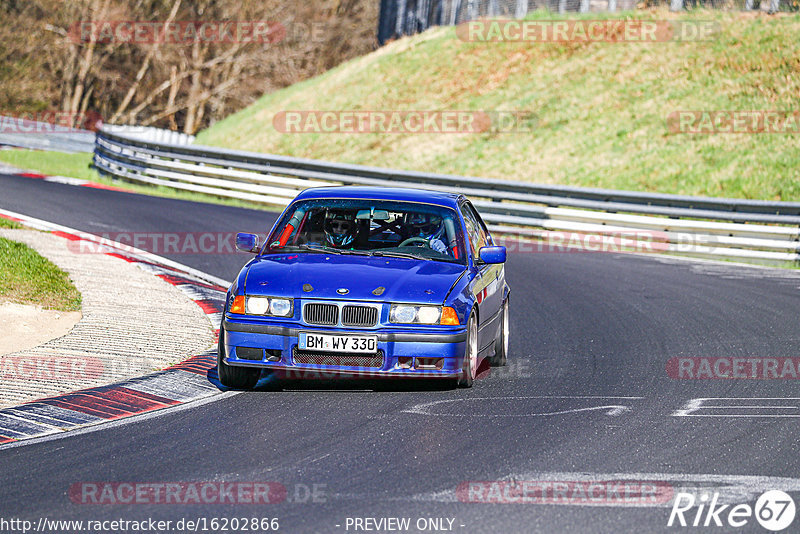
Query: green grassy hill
[602, 108]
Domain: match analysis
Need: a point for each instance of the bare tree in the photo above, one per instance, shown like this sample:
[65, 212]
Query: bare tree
[184, 85]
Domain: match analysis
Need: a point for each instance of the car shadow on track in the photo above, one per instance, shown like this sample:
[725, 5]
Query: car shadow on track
[322, 381]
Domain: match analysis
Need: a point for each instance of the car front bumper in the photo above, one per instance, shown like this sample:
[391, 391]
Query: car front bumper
[408, 352]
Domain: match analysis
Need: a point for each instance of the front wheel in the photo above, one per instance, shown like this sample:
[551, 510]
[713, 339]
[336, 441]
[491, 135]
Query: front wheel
[232, 376]
[500, 357]
[469, 367]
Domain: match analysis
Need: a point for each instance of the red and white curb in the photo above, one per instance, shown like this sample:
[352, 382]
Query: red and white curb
[193, 379]
[10, 169]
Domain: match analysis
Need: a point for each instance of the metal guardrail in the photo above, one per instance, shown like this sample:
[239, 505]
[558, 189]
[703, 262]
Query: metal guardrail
[740, 229]
[150, 133]
[37, 135]
[23, 133]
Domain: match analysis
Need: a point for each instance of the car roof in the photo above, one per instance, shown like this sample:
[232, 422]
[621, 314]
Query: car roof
[402, 194]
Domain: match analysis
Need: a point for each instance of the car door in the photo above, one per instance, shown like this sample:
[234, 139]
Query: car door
[488, 278]
[496, 272]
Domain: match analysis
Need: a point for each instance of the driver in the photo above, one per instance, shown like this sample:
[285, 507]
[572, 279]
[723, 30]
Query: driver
[427, 226]
[340, 228]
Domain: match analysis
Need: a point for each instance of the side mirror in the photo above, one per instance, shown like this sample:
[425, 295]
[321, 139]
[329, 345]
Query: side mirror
[247, 242]
[492, 254]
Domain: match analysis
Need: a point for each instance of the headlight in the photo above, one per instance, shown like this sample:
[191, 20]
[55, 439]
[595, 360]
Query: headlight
[403, 314]
[407, 314]
[280, 307]
[274, 306]
[257, 305]
[428, 314]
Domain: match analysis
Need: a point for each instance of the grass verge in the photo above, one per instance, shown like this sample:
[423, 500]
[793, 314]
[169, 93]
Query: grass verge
[602, 108]
[28, 278]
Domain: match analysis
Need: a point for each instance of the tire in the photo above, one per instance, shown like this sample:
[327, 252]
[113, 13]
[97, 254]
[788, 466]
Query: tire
[500, 357]
[469, 366]
[232, 376]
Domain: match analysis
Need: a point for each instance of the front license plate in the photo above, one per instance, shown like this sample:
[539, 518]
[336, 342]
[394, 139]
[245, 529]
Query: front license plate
[334, 343]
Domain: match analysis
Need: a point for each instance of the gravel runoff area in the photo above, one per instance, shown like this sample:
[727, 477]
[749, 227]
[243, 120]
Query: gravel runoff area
[133, 323]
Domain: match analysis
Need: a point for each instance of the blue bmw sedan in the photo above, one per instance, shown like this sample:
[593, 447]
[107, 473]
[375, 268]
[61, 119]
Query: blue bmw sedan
[373, 282]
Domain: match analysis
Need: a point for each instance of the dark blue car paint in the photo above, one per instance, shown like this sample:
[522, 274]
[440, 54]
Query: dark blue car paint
[474, 287]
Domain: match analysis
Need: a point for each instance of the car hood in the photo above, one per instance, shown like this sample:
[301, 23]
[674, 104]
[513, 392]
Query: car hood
[402, 279]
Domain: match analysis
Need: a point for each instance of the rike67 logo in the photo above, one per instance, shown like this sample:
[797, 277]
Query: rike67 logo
[774, 510]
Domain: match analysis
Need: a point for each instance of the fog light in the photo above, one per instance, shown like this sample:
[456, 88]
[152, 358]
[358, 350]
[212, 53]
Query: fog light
[249, 353]
[404, 362]
[429, 363]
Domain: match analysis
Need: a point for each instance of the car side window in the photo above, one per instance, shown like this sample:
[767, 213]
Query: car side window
[486, 237]
[475, 231]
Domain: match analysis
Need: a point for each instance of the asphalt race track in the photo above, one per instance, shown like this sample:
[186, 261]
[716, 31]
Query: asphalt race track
[586, 397]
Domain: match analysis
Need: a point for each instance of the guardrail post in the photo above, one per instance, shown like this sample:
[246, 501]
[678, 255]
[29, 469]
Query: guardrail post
[584, 6]
[612, 5]
[522, 9]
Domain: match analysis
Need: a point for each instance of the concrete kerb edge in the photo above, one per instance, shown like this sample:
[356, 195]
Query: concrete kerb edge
[190, 380]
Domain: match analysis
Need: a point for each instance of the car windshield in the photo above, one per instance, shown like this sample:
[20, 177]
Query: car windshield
[369, 227]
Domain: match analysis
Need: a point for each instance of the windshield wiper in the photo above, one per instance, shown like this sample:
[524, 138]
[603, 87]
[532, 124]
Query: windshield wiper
[325, 250]
[356, 252]
[316, 248]
[398, 255]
